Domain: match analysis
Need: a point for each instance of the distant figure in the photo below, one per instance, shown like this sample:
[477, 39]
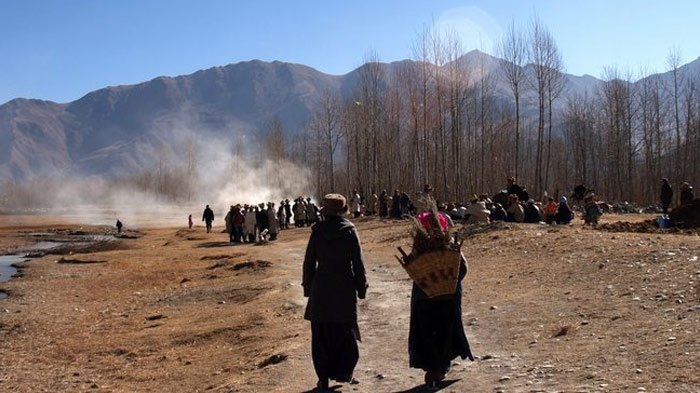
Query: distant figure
[262, 221]
[396, 205]
[189, 221]
[498, 213]
[686, 193]
[299, 212]
[532, 213]
[515, 188]
[477, 212]
[238, 222]
[356, 204]
[228, 220]
[592, 211]
[208, 217]
[384, 204]
[272, 224]
[281, 216]
[287, 213]
[372, 204]
[564, 214]
[666, 195]
[550, 211]
[119, 226]
[311, 212]
[579, 193]
[250, 224]
[515, 210]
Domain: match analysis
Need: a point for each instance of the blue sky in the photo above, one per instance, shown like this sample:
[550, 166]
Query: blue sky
[61, 50]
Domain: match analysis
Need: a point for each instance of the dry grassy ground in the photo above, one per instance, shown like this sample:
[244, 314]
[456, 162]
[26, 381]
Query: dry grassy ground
[547, 309]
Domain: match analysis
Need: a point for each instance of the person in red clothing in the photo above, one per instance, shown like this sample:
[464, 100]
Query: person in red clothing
[550, 210]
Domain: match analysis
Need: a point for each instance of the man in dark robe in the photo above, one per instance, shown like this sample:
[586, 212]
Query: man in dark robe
[333, 279]
[287, 213]
[666, 195]
[208, 217]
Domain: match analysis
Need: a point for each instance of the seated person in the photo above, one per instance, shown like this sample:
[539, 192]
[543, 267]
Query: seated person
[550, 211]
[498, 213]
[515, 210]
[477, 212]
[532, 213]
[564, 214]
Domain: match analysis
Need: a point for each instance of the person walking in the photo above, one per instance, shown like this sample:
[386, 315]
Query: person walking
[436, 333]
[208, 218]
[333, 280]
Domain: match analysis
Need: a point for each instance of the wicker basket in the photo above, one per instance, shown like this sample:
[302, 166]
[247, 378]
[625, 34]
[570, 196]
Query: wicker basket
[435, 272]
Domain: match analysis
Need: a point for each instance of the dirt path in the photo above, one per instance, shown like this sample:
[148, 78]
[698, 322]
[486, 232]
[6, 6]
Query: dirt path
[546, 310]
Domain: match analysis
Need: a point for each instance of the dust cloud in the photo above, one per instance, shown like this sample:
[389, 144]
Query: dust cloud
[205, 170]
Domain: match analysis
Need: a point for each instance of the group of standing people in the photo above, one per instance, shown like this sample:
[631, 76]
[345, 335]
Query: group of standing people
[666, 197]
[252, 223]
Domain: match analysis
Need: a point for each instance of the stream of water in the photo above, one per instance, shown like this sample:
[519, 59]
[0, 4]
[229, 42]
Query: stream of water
[6, 261]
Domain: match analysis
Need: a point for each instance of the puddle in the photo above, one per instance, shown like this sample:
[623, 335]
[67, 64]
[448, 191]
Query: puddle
[6, 269]
[39, 249]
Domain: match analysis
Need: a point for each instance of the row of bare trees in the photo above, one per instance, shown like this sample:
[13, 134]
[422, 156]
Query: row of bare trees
[465, 124]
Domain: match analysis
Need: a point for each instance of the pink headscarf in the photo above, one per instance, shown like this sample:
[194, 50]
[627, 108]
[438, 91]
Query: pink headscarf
[425, 219]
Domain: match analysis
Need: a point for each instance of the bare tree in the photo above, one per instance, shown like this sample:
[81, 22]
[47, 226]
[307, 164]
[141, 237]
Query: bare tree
[555, 86]
[673, 61]
[548, 84]
[326, 122]
[513, 50]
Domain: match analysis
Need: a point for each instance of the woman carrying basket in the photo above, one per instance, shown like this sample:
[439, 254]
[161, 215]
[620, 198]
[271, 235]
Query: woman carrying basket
[334, 277]
[436, 334]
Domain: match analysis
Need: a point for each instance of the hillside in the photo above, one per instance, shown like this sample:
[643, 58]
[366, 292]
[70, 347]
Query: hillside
[122, 129]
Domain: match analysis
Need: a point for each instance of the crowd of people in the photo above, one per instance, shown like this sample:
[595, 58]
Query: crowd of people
[253, 223]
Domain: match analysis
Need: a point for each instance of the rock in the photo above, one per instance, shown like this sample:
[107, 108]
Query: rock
[274, 359]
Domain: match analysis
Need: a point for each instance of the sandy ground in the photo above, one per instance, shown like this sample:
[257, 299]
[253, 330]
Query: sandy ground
[546, 309]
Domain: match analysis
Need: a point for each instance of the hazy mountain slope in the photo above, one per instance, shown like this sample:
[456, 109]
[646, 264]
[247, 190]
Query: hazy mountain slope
[120, 129]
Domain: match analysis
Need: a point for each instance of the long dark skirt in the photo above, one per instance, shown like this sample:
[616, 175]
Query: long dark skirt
[436, 334]
[334, 350]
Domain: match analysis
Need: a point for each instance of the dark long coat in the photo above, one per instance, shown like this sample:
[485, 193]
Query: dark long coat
[436, 334]
[334, 274]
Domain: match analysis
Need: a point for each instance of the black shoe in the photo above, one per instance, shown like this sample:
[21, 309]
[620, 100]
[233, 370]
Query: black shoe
[322, 385]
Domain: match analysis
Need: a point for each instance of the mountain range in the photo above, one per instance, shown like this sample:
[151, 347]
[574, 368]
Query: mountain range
[117, 130]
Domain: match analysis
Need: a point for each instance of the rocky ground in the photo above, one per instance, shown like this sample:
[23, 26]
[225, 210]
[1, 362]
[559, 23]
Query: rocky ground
[547, 309]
